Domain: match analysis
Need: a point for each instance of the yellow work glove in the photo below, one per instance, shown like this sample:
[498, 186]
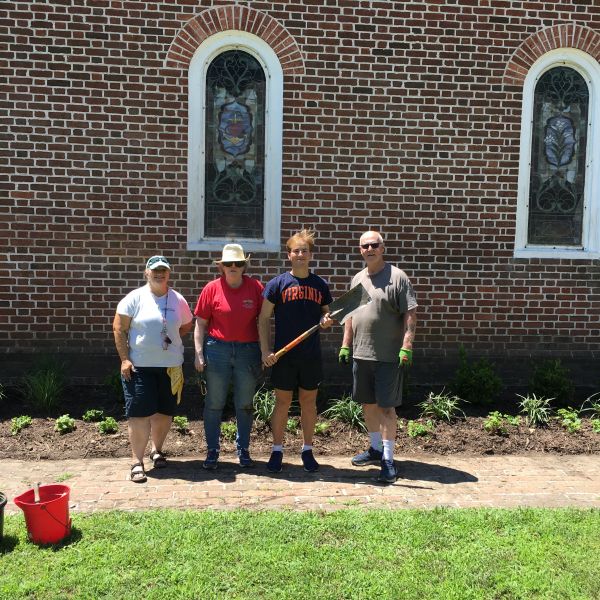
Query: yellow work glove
[405, 357]
[344, 355]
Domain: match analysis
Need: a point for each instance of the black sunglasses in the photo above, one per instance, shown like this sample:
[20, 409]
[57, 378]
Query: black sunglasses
[237, 263]
[373, 245]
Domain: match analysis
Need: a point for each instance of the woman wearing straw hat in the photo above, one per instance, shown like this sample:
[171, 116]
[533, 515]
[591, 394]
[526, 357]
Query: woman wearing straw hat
[227, 349]
[148, 326]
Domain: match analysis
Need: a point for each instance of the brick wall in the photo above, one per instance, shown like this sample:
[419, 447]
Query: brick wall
[401, 116]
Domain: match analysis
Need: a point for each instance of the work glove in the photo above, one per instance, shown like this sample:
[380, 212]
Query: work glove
[405, 357]
[344, 355]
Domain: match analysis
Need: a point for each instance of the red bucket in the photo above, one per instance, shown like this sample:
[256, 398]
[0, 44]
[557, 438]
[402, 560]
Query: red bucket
[48, 520]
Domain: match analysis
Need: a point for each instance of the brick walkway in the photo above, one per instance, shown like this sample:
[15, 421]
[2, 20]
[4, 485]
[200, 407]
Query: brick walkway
[426, 481]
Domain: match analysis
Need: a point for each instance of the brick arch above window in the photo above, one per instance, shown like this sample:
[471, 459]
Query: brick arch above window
[566, 35]
[238, 18]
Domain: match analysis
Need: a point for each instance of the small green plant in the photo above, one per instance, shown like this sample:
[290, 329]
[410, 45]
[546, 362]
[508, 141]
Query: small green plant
[417, 429]
[64, 477]
[19, 423]
[228, 431]
[537, 410]
[348, 411]
[264, 403]
[498, 423]
[592, 405]
[93, 415]
[475, 383]
[64, 424]
[551, 379]
[322, 427]
[44, 385]
[569, 419]
[108, 425]
[115, 385]
[293, 425]
[595, 425]
[182, 425]
[442, 407]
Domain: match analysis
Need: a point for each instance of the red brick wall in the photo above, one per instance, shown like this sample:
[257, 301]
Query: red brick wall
[401, 116]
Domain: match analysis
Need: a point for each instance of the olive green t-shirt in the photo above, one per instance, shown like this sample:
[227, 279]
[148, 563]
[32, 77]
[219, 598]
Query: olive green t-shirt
[378, 327]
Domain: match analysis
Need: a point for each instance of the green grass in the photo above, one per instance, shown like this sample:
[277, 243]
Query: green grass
[413, 554]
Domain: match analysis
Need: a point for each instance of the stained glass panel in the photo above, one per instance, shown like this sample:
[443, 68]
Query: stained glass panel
[235, 147]
[556, 187]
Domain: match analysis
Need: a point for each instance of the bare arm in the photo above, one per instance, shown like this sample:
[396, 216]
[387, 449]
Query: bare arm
[326, 321]
[121, 325]
[347, 339]
[186, 328]
[264, 333]
[199, 332]
[410, 326]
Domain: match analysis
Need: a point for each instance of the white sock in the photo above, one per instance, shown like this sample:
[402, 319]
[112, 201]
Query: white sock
[277, 448]
[388, 449]
[375, 438]
[305, 447]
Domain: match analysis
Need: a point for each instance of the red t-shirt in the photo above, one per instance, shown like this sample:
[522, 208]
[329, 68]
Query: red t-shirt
[231, 312]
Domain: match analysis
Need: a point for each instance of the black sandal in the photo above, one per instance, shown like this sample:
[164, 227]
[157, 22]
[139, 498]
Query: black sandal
[138, 475]
[159, 459]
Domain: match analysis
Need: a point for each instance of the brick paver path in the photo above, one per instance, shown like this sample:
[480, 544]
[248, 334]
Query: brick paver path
[426, 481]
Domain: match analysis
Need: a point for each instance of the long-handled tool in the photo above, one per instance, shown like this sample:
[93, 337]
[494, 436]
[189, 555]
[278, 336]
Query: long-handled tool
[339, 309]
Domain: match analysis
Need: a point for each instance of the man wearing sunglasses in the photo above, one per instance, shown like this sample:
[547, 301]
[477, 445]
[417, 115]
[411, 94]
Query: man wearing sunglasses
[381, 335]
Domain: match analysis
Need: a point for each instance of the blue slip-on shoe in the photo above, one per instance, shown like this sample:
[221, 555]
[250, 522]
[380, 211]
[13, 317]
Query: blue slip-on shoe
[368, 457]
[212, 458]
[244, 458]
[388, 472]
[309, 462]
[275, 461]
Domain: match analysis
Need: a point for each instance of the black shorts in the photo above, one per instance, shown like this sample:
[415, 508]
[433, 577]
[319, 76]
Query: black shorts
[288, 373]
[377, 383]
[149, 392]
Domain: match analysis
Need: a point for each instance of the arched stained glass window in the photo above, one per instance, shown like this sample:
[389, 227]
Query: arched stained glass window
[234, 146]
[558, 159]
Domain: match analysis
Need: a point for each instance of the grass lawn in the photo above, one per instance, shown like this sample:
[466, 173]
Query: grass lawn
[443, 553]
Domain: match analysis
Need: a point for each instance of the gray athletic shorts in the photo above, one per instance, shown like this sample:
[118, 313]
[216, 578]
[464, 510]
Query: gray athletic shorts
[377, 383]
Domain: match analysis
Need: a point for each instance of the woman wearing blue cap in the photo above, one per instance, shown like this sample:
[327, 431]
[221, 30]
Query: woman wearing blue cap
[148, 326]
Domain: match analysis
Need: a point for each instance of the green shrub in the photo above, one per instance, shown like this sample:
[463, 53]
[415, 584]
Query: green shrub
[182, 425]
[93, 415]
[108, 425]
[322, 427]
[115, 385]
[416, 429]
[498, 423]
[595, 425]
[264, 403]
[442, 407]
[44, 385]
[592, 405]
[19, 423]
[475, 383]
[348, 411]
[293, 425]
[569, 419]
[551, 379]
[537, 411]
[64, 424]
[228, 431]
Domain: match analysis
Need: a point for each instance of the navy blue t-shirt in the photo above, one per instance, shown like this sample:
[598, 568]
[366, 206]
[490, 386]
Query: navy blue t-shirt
[298, 303]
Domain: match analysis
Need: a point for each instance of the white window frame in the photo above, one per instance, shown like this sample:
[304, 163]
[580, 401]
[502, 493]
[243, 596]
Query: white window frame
[589, 69]
[204, 55]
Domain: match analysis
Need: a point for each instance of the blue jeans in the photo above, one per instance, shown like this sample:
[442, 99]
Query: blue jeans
[229, 363]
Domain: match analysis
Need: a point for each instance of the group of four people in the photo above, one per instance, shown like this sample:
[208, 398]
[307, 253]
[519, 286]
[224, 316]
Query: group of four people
[232, 340]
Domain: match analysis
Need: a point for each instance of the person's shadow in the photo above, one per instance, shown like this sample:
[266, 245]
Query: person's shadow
[228, 471]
